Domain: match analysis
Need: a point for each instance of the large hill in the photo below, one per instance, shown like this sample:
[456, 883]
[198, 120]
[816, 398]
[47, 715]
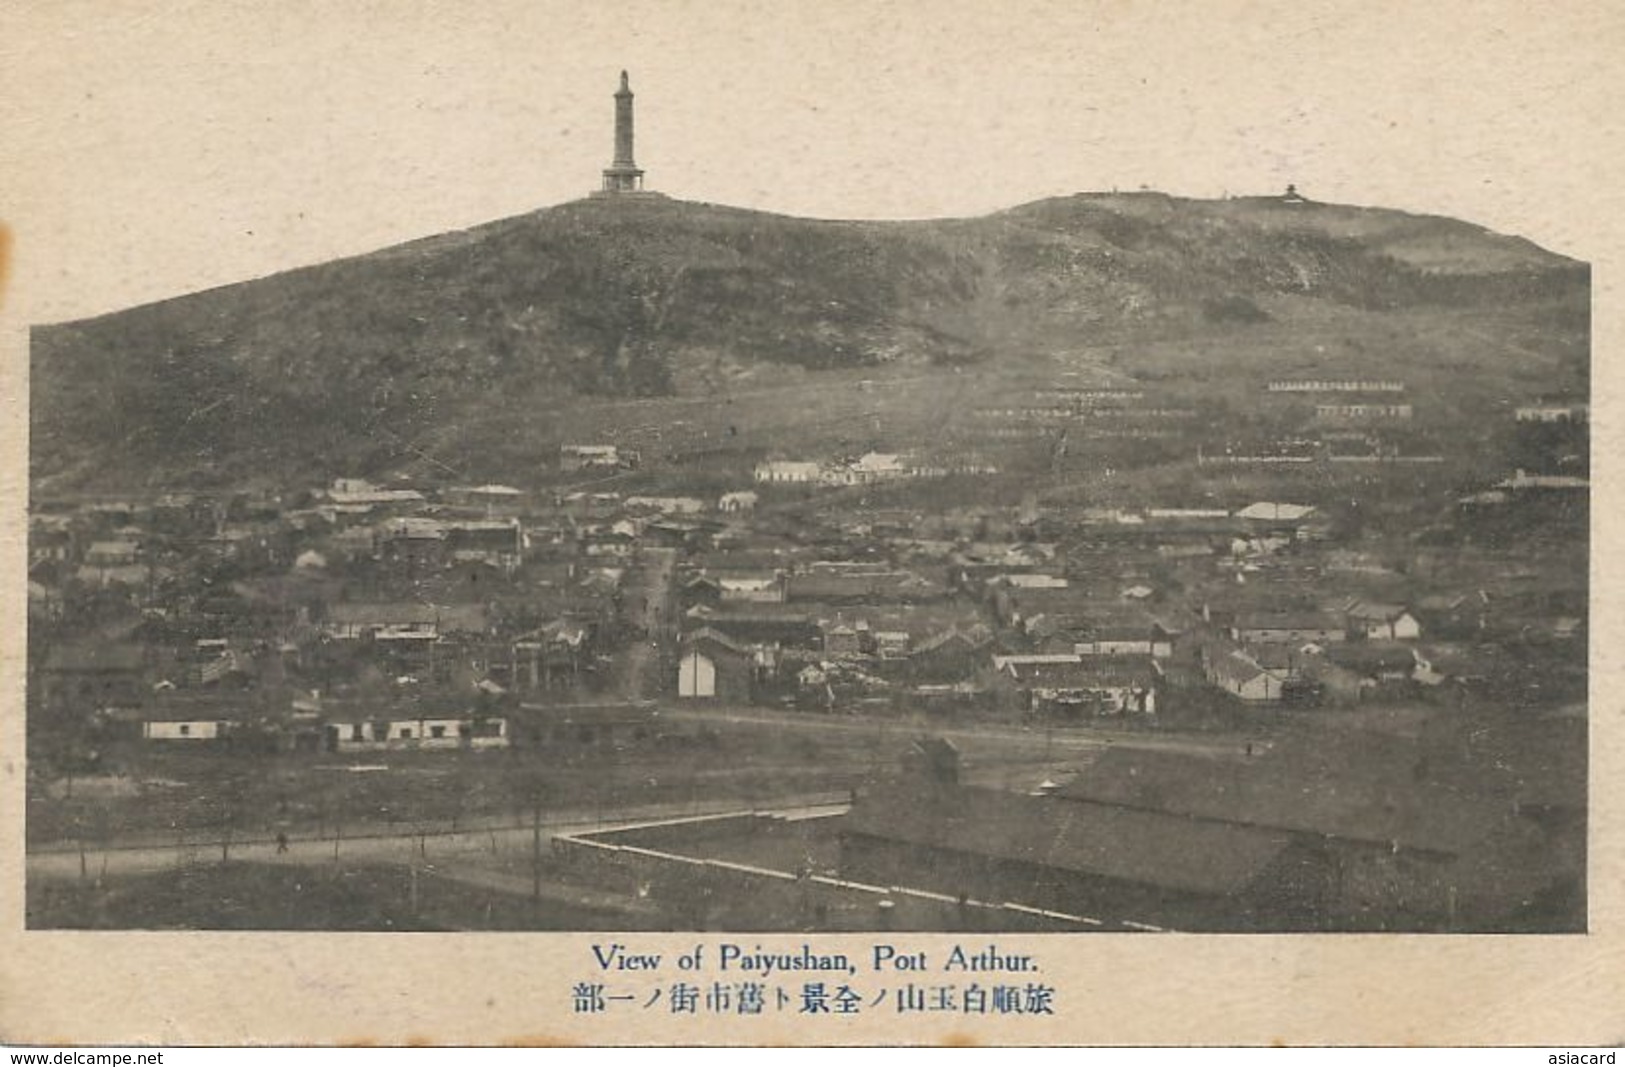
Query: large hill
[351, 365]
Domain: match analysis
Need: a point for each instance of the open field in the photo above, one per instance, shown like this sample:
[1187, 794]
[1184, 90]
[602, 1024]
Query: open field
[261, 895]
[745, 757]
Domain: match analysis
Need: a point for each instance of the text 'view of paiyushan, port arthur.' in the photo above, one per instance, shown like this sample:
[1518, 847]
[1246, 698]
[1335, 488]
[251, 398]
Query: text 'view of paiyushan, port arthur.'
[1114, 562]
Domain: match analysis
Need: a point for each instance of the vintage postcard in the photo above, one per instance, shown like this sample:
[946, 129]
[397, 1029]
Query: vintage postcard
[810, 524]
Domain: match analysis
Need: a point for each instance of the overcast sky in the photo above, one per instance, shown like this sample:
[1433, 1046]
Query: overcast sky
[156, 149]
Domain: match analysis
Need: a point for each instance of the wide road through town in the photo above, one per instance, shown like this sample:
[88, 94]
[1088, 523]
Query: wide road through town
[1003, 741]
[451, 853]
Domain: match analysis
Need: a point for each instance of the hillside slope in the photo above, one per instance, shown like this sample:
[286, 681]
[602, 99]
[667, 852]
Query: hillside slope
[343, 365]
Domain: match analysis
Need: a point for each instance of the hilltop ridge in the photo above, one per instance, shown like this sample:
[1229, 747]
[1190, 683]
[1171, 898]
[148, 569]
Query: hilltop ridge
[349, 362]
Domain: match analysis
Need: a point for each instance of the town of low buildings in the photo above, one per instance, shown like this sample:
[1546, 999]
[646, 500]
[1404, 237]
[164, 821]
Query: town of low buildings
[398, 616]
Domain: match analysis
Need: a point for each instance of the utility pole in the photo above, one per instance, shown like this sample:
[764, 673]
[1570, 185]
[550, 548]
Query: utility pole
[536, 851]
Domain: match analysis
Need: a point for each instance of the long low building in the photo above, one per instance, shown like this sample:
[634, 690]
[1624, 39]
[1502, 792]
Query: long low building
[1042, 852]
[1328, 385]
[360, 731]
[1367, 833]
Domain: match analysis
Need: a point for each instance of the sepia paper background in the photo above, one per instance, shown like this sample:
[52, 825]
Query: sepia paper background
[149, 149]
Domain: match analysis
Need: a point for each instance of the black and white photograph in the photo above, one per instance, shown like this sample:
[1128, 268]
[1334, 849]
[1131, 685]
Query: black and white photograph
[806, 470]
